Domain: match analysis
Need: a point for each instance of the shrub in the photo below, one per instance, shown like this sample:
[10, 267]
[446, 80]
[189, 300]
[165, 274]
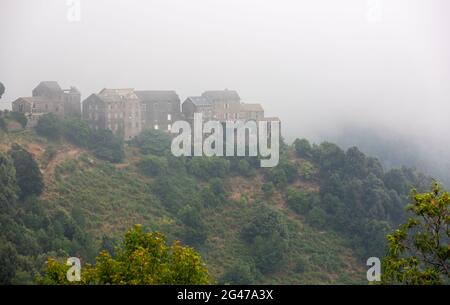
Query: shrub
[107, 146]
[303, 148]
[153, 165]
[277, 176]
[208, 167]
[28, 174]
[268, 189]
[152, 141]
[19, 117]
[49, 126]
[77, 131]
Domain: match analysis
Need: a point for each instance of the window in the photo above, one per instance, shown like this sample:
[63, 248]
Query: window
[169, 117]
[169, 127]
[156, 126]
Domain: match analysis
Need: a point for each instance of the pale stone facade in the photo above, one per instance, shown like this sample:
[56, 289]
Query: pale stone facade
[118, 110]
[48, 97]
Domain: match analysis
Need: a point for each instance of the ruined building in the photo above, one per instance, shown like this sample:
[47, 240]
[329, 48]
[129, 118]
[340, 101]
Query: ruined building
[118, 110]
[48, 97]
[159, 108]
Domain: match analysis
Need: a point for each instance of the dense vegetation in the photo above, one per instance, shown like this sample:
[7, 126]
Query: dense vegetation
[419, 251]
[315, 218]
[143, 259]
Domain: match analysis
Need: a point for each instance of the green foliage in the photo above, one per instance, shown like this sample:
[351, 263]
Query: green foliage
[50, 126]
[267, 237]
[8, 262]
[153, 165]
[240, 273]
[307, 171]
[419, 251]
[317, 217]
[300, 201]
[77, 131]
[2, 89]
[195, 231]
[214, 194]
[329, 156]
[107, 146]
[8, 184]
[19, 117]
[3, 125]
[303, 148]
[290, 170]
[277, 176]
[208, 167]
[268, 189]
[176, 192]
[152, 141]
[28, 174]
[143, 259]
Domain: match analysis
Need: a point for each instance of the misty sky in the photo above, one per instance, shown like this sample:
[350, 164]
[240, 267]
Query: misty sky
[315, 64]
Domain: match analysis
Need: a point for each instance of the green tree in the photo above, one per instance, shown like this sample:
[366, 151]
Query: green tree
[142, 259]
[303, 148]
[77, 131]
[28, 174]
[8, 262]
[267, 237]
[50, 126]
[240, 273]
[2, 89]
[107, 146]
[277, 176]
[153, 165]
[8, 184]
[19, 117]
[152, 141]
[268, 189]
[419, 251]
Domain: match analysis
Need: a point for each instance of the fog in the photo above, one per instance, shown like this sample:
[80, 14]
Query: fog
[318, 65]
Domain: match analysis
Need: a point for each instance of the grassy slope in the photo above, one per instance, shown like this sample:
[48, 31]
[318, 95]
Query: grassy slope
[113, 198]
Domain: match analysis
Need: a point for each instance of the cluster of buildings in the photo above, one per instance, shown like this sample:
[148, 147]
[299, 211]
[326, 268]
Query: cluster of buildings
[127, 112]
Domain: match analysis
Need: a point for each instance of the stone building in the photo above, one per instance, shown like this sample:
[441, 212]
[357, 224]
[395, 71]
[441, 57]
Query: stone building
[198, 104]
[251, 112]
[224, 105]
[118, 110]
[159, 108]
[48, 97]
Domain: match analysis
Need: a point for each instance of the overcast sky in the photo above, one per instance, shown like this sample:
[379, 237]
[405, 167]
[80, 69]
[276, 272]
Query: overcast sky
[316, 64]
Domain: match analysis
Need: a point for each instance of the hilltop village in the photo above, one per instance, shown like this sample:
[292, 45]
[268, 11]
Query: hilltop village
[126, 112]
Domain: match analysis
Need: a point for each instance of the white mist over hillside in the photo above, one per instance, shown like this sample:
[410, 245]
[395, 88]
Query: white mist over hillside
[318, 65]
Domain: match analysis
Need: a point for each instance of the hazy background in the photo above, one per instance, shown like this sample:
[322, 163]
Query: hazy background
[327, 68]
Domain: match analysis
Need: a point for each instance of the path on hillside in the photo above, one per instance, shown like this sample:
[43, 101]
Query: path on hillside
[61, 156]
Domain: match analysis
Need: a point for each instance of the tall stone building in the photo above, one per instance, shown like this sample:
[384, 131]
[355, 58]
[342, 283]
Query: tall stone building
[226, 104]
[48, 97]
[221, 105]
[159, 108]
[198, 104]
[118, 110]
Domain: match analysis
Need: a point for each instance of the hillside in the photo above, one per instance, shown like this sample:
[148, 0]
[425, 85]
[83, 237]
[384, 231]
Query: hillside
[287, 225]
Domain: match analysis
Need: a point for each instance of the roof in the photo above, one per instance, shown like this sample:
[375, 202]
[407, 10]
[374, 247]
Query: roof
[254, 107]
[221, 95]
[31, 99]
[274, 118]
[199, 101]
[157, 96]
[72, 90]
[51, 85]
[116, 95]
